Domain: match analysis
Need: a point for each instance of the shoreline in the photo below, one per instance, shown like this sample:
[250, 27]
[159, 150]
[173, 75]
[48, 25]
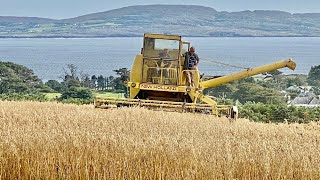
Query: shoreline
[97, 37]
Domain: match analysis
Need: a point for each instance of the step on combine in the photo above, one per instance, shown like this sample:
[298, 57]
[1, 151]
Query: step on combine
[159, 82]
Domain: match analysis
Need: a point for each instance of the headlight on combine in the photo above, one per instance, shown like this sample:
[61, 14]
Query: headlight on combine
[133, 85]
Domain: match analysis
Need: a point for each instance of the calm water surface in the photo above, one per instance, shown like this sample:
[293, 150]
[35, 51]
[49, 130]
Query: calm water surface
[48, 57]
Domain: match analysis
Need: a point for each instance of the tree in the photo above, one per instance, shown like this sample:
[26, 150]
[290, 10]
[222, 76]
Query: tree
[55, 85]
[119, 82]
[275, 73]
[77, 92]
[245, 80]
[71, 71]
[256, 93]
[70, 77]
[86, 82]
[16, 78]
[296, 81]
[124, 74]
[84, 79]
[94, 81]
[223, 91]
[110, 82]
[314, 76]
[101, 82]
[72, 83]
[316, 90]
[276, 78]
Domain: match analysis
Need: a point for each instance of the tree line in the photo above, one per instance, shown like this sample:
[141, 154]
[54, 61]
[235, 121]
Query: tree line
[259, 99]
[78, 85]
[269, 89]
[72, 77]
[266, 99]
[19, 82]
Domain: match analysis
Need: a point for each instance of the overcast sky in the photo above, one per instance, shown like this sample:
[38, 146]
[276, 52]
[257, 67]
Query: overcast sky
[59, 9]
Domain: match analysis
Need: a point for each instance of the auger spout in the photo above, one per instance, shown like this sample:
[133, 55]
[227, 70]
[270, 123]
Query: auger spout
[247, 73]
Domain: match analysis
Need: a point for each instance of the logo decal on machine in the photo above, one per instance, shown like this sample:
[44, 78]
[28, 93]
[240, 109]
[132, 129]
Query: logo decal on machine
[158, 87]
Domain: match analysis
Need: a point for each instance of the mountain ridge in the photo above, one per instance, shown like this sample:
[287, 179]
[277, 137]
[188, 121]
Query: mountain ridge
[186, 20]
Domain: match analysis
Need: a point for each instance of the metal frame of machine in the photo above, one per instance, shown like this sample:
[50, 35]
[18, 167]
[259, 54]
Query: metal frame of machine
[160, 83]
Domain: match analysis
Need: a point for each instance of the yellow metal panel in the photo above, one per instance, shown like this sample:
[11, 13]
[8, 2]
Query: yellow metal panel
[162, 36]
[182, 89]
[197, 96]
[135, 75]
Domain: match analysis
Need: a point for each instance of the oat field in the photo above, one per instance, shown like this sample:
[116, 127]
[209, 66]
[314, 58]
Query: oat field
[56, 141]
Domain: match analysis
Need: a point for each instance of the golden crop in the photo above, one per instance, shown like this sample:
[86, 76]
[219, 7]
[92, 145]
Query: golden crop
[56, 141]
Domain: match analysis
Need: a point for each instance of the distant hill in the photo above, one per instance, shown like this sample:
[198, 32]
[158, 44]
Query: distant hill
[186, 20]
[12, 19]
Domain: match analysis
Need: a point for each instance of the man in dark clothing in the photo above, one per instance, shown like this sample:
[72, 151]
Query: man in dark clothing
[190, 65]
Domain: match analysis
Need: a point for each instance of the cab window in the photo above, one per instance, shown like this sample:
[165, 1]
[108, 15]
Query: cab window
[160, 48]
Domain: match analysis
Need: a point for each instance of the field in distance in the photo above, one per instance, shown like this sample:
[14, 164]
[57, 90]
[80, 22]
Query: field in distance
[51, 96]
[59, 141]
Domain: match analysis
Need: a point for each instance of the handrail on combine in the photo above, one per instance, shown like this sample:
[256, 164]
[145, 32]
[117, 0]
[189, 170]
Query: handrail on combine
[162, 75]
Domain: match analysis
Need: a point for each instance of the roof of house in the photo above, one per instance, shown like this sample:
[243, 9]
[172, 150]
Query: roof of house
[302, 100]
[306, 100]
[315, 101]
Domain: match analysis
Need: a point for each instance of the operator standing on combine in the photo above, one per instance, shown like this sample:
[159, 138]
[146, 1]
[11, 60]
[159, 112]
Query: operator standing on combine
[190, 65]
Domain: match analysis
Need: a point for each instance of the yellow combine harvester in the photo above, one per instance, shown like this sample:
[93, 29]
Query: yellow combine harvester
[160, 82]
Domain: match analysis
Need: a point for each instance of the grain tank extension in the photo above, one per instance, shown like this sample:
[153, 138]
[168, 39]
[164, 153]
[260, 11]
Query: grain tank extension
[160, 82]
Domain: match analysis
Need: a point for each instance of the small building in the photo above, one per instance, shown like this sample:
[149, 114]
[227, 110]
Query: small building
[308, 99]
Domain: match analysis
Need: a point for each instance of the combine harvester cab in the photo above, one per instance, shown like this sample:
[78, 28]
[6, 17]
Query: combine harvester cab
[158, 80]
